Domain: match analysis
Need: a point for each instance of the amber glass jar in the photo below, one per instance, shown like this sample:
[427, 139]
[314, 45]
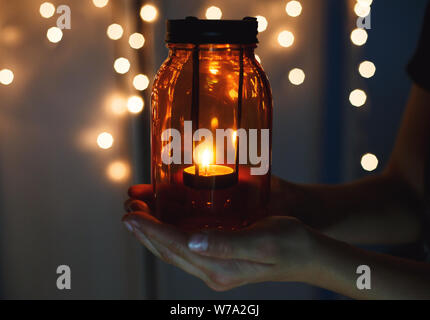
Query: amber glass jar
[211, 81]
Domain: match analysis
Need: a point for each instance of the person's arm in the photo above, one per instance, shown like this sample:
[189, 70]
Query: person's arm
[278, 249]
[384, 208]
[390, 277]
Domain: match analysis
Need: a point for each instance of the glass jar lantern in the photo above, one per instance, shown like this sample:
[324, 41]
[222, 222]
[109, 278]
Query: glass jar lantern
[211, 127]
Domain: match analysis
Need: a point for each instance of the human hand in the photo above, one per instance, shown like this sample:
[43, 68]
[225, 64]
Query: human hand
[273, 249]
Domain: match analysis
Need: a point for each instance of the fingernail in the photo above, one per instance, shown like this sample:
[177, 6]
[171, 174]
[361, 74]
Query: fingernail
[198, 242]
[128, 226]
[135, 224]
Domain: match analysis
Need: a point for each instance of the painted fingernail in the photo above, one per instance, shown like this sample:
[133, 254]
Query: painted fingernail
[198, 242]
[128, 226]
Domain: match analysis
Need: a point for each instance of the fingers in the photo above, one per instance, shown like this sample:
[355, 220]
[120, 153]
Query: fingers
[160, 251]
[143, 239]
[171, 195]
[135, 205]
[141, 191]
[171, 245]
[171, 257]
[242, 245]
[168, 243]
[154, 229]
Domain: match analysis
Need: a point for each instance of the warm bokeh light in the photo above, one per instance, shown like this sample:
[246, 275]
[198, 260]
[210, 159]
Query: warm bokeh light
[6, 77]
[233, 94]
[11, 35]
[365, 2]
[367, 69]
[369, 162]
[358, 98]
[359, 36]
[100, 3]
[258, 58]
[117, 104]
[262, 23]
[118, 171]
[293, 8]
[135, 104]
[136, 40]
[115, 31]
[47, 10]
[214, 13]
[286, 38]
[148, 13]
[296, 76]
[214, 123]
[141, 82]
[361, 10]
[54, 34]
[121, 65]
[105, 140]
[214, 67]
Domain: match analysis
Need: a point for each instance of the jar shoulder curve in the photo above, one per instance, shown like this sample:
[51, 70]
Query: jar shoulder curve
[262, 77]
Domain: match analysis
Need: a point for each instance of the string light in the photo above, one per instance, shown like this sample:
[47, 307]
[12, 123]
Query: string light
[296, 76]
[54, 34]
[141, 82]
[118, 171]
[365, 2]
[136, 40]
[359, 36]
[135, 104]
[262, 23]
[117, 104]
[361, 10]
[369, 162]
[6, 77]
[121, 65]
[258, 58]
[293, 8]
[47, 10]
[100, 3]
[148, 13]
[213, 13]
[358, 98]
[115, 31]
[367, 69]
[105, 140]
[286, 38]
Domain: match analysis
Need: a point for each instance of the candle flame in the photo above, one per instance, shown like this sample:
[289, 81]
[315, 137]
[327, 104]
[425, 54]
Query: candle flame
[206, 158]
[234, 137]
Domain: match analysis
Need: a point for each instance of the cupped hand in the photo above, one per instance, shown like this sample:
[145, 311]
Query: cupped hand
[278, 248]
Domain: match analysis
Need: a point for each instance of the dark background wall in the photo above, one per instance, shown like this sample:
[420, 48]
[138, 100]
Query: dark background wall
[58, 206]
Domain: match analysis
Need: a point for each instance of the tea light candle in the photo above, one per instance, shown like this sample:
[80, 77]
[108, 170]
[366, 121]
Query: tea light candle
[209, 176]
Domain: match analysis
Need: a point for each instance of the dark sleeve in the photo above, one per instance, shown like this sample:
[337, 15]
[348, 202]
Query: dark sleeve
[419, 67]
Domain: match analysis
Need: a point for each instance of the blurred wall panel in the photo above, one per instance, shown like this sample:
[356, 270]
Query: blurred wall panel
[58, 205]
